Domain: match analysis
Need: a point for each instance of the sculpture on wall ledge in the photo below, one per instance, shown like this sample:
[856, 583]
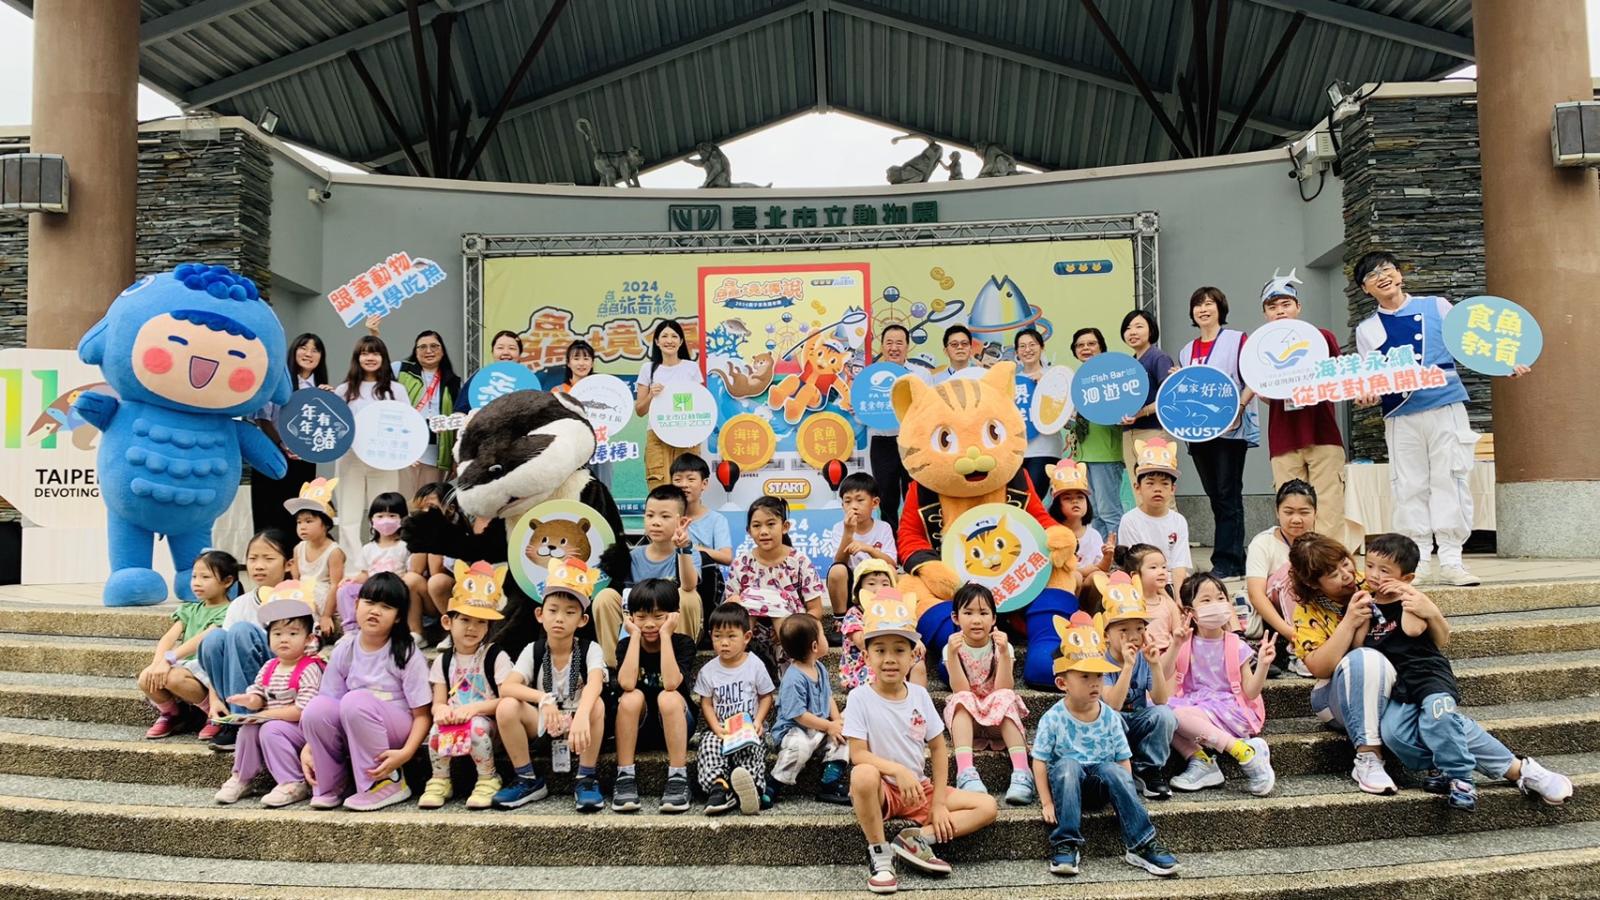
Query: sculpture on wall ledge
[613, 166]
[954, 166]
[919, 168]
[719, 174]
[997, 162]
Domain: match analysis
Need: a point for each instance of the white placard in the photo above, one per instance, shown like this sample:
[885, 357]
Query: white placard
[683, 415]
[1052, 400]
[1280, 356]
[390, 435]
[607, 402]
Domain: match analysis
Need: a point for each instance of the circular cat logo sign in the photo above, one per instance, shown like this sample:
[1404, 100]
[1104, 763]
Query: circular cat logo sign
[390, 435]
[1281, 356]
[1002, 548]
[608, 404]
[555, 530]
[683, 415]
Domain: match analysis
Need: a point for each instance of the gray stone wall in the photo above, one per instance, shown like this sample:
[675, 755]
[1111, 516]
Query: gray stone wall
[199, 201]
[1412, 187]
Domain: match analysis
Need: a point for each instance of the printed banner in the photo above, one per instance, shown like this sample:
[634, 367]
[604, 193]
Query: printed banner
[1492, 335]
[49, 473]
[382, 289]
[1353, 376]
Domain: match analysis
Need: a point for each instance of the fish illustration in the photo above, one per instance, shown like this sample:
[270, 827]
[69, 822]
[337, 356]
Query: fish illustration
[59, 417]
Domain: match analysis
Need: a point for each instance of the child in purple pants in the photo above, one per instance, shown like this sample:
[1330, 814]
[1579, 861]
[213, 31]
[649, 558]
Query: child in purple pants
[276, 700]
[372, 713]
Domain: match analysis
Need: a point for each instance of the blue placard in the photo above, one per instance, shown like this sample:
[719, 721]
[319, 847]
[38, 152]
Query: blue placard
[316, 425]
[870, 394]
[1492, 335]
[498, 379]
[1109, 387]
[1024, 396]
[1197, 403]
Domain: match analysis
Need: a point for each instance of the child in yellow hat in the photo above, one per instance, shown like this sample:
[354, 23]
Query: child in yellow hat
[1141, 685]
[1081, 757]
[466, 681]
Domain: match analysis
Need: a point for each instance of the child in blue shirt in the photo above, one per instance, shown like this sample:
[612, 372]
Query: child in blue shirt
[666, 553]
[1141, 682]
[1081, 757]
[808, 717]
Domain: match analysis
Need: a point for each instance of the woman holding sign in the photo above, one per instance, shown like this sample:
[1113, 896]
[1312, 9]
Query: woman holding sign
[1140, 333]
[1099, 446]
[670, 363]
[580, 365]
[506, 347]
[1043, 449]
[370, 379]
[1220, 461]
[308, 367]
[431, 384]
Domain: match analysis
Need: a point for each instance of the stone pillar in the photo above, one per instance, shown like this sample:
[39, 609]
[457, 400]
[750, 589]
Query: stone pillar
[1542, 236]
[85, 107]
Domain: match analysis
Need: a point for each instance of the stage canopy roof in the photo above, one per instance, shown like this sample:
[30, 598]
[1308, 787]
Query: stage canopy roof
[1062, 84]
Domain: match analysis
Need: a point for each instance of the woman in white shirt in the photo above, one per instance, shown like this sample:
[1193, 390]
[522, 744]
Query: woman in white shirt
[1043, 449]
[370, 379]
[308, 367]
[671, 362]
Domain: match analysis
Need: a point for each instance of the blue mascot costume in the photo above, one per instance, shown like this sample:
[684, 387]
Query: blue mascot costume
[187, 351]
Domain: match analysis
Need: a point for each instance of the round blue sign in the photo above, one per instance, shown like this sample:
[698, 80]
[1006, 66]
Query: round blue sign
[498, 379]
[871, 392]
[1197, 403]
[1109, 387]
[1024, 397]
[1492, 335]
[316, 425]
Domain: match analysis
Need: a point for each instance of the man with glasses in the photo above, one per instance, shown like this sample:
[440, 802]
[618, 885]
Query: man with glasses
[1430, 441]
[958, 348]
[883, 447]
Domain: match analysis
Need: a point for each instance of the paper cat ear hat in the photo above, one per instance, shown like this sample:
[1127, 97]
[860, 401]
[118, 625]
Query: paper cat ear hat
[478, 593]
[1280, 286]
[887, 612]
[315, 496]
[1082, 647]
[572, 577]
[289, 600]
[1120, 600]
[1155, 455]
[1068, 475]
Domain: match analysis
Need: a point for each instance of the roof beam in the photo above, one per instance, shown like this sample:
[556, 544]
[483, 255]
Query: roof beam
[624, 70]
[819, 50]
[1027, 57]
[319, 53]
[189, 17]
[1379, 24]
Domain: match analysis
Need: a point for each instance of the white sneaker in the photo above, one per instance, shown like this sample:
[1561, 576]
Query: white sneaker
[235, 788]
[1553, 788]
[1370, 776]
[287, 794]
[969, 780]
[1258, 771]
[1424, 571]
[1298, 667]
[1203, 772]
[1458, 576]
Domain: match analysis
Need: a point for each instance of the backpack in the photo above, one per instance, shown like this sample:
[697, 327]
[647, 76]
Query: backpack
[294, 677]
[1231, 643]
[488, 666]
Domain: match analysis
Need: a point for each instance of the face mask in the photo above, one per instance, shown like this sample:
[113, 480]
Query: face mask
[386, 527]
[1214, 615]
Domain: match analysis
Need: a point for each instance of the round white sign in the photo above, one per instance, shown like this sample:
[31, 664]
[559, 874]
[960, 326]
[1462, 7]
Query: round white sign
[607, 402]
[683, 415]
[1280, 356]
[1052, 400]
[390, 435]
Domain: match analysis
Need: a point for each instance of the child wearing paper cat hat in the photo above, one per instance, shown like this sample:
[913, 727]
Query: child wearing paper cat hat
[466, 681]
[272, 738]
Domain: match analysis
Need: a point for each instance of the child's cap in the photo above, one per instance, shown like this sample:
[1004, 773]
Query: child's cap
[478, 592]
[887, 612]
[289, 600]
[1280, 286]
[572, 577]
[1083, 648]
[315, 496]
[1068, 475]
[1121, 599]
[873, 564]
[1155, 456]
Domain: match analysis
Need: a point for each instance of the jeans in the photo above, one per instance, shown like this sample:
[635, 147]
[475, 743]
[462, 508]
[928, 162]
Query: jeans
[1072, 785]
[1435, 735]
[1150, 733]
[232, 658]
[1105, 494]
[1220, 464]
[1357, 697]
[883, 452]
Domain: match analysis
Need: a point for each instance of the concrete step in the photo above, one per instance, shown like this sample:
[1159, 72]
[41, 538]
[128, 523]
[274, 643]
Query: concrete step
[179, 821]
[1301, 746]
[1533, 862]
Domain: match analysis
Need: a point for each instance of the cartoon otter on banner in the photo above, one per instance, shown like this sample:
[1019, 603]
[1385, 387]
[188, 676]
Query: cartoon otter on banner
[186, 352]
[962, 443]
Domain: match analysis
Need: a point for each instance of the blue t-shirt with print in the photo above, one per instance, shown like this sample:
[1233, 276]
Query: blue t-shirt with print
[1061, 734]
[1138, 688]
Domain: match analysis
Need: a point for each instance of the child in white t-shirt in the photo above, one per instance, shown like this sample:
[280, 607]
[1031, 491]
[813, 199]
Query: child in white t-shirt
[860, 537]
[1154, 521]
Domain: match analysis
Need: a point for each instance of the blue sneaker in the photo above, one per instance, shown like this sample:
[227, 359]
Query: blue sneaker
[1436, 782]
[521, 791]
[1153, 858]
[1064, 861]
[1463, 795]
[588, 795]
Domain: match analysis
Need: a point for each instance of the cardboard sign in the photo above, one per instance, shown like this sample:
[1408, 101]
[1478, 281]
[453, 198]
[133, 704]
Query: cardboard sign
[824, 437]
[316, 425]
[1197, 403]
[870, 395]
[1280, 356]
[683, 415]
[748, 440]
[390, 435]
[1002, 548]
[50, 451]
[555, 529]
[1109, 387]
[1052, 403]
[1353, 375]
[607, 402]
[382, 289]
[498, 379]
[1492, 335]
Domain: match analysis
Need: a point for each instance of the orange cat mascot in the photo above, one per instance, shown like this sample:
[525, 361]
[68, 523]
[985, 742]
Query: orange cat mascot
[962, 443]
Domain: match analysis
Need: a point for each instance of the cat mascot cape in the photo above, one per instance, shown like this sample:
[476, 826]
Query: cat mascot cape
[185, 351]
[962, 443]
[520, 450]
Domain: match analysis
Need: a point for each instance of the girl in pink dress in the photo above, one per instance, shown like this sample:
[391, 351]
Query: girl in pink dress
[984, 710]
[1216, 693]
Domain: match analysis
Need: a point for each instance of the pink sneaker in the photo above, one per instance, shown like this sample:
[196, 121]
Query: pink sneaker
[165, 725]
[384, 793]
[286, 794]
[326, 801]
[209, 731]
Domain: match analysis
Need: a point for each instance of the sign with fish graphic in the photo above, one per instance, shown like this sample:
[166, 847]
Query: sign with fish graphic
[1281, 356]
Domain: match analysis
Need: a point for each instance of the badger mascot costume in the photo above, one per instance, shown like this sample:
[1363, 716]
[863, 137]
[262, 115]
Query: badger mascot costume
[515, 453]
[962, 443]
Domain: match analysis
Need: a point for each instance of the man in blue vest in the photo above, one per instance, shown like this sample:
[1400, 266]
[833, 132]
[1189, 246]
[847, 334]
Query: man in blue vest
[1430, 441]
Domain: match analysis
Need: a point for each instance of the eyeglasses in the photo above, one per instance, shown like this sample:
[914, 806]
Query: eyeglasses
[959, 344]
[430, 346]
[1380, 272]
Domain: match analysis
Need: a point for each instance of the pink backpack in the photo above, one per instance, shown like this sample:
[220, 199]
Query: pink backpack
[1231, 645]
[294, 677]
